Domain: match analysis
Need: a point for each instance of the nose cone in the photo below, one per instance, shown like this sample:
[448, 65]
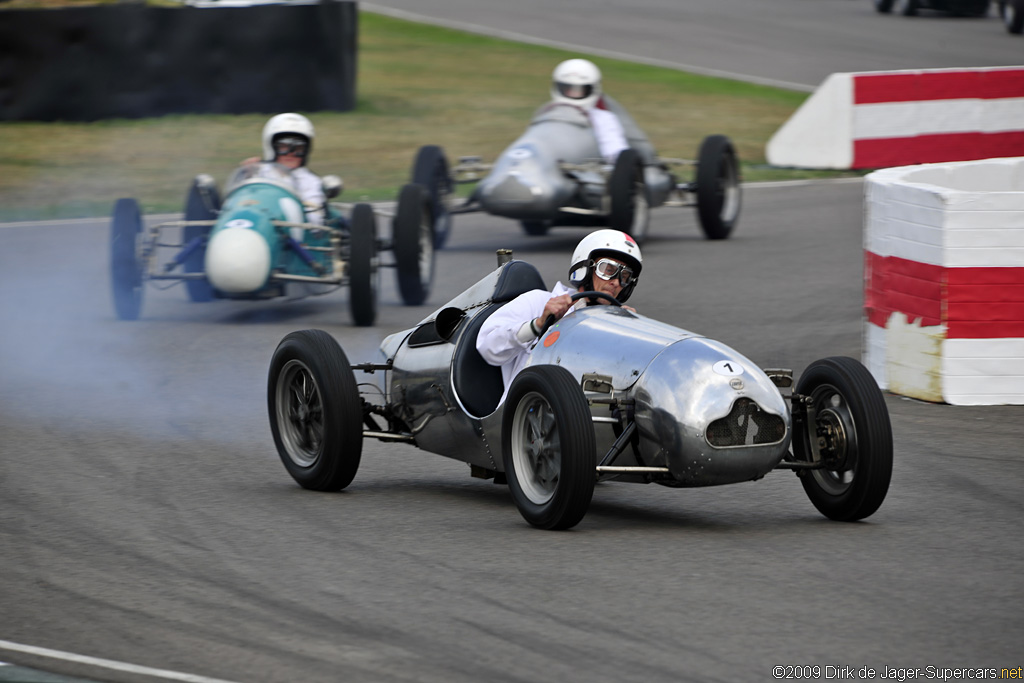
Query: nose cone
[237, 260]
[517, 194]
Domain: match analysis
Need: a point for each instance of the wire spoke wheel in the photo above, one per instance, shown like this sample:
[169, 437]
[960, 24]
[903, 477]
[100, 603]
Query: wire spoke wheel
[316, 414]
[535, 448]
[548, 447]
[300, 414]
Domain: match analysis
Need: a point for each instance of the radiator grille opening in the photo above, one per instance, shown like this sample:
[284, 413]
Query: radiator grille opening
[746, 425]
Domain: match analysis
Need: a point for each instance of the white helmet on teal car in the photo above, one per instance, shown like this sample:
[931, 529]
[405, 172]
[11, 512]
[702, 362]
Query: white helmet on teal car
[291, 131]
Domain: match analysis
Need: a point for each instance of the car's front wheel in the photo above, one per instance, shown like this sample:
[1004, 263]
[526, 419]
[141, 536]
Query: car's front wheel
[430, 169]
[126, 268]
[202, 203]
[315, 411]
[548, 447]
[414, 245]
[718, 187]
[362, 265]
[1013, 16]
[907, 8]
[850, 423]
[627, 193]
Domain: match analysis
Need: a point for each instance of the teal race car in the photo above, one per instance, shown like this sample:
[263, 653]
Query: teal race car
[260, 244]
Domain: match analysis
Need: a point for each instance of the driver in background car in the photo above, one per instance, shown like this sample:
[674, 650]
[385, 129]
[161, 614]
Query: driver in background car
[605, 261]
[288, 140]
[578, 82]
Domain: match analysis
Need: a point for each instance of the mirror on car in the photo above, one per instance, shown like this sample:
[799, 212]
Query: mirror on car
[332, 185]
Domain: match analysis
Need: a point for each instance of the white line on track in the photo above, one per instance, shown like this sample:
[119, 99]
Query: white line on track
[610, 54]
[107, 663]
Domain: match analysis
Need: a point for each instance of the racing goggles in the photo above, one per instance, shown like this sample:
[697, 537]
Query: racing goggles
[290, 144]
[606, 269]
[574, 91]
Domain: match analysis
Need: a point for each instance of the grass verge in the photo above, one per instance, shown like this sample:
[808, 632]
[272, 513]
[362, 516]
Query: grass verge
[417, 85]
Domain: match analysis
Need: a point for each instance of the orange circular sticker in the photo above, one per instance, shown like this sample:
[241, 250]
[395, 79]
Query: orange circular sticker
[551, 339]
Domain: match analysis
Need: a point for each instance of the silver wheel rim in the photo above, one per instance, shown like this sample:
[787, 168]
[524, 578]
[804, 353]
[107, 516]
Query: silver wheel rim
[300, 413]
[641, 213]
[536, 448]
[426, 262]
[832, 413]
[730, 191]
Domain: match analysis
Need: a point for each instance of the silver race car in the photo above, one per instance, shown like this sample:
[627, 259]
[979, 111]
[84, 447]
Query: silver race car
[606, 395]
[553, 175]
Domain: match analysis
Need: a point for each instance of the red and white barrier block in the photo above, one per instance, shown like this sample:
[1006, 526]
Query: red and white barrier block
[878, 119]
[944, 281]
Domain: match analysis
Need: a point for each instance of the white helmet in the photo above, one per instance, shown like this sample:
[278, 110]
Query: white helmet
[578, 82]
[287, 124]
[617, 245]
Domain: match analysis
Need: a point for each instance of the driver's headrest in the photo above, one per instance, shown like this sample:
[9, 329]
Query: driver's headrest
[517, 277]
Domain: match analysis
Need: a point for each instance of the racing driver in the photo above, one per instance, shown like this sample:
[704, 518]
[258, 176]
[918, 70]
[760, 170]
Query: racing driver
[605, 261]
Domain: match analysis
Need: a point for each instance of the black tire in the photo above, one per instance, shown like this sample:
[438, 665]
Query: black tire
[548, 447]
[629, 211]
[851, 418]
[1013, 16]
[718, 187]
[883, 6]
[980, 9]
[362, 266]
[907, 8]
[430, 169]
[535, 228]
[201, 204]
[126, 267]
[414, 245]
[315, 411]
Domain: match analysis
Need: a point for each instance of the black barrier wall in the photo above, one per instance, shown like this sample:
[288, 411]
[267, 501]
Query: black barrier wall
[132, 61]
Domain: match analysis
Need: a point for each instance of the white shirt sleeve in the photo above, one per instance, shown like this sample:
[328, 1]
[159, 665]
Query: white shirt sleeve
[311, 192]
[498, 340]
[611, 137]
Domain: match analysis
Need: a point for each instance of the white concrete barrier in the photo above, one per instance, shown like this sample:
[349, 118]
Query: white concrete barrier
[944, 281]
[878, 119]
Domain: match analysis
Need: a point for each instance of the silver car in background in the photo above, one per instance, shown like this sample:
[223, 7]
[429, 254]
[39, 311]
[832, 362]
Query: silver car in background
[553, 175]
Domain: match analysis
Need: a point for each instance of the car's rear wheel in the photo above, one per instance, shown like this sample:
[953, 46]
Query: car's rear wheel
[718, 187]
[627, 193]
[548, 447]
[363, 275]
[201, 204]
[414, 245]
[126, 267]
[854, 435]
[315, 411]
[883, 6]
[1013, 16]
[431, 171]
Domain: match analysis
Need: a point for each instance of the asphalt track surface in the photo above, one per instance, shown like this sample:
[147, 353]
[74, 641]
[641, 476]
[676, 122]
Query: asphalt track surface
[146, 521]
[789, 43]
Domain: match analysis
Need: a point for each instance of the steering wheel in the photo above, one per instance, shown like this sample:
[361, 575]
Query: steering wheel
[550, 320]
